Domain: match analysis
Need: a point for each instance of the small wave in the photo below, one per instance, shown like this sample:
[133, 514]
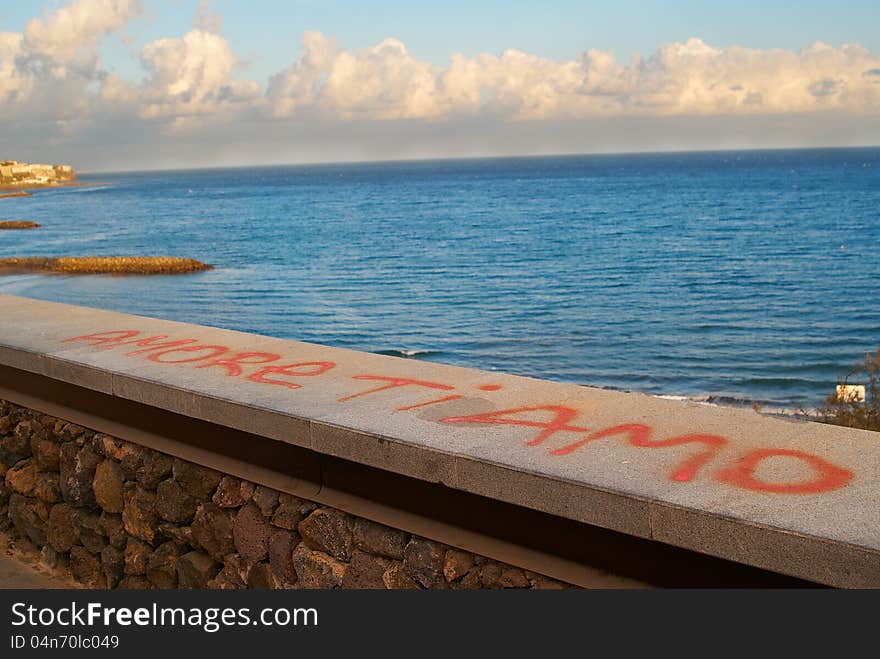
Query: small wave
[87, 188]
[716, 400]
[693, 399]
[406, 354]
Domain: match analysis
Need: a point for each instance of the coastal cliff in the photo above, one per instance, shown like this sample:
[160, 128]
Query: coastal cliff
[14, 174]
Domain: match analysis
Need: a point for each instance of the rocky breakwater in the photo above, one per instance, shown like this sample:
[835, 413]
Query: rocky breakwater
[103, 265]
[117, 515]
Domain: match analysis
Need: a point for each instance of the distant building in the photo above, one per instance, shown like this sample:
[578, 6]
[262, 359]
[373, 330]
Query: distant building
[22, 174]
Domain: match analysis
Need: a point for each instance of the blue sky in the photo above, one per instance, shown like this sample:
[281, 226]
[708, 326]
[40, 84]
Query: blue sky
[265, 33]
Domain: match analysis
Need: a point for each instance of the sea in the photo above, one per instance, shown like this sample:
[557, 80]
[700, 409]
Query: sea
[725, 277]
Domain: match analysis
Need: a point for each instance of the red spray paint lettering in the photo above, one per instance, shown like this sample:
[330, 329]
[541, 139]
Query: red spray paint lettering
[553, 419]
[827, 476]
[233, 364]
[637, 434]
[393, 383]
[303, 369]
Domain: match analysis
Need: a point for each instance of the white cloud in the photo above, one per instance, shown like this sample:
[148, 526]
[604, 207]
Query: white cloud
[191, 76]
[51, 74]
[690, 78]
[13, 85]
[52, 70]
[49, 69]
[71, 33]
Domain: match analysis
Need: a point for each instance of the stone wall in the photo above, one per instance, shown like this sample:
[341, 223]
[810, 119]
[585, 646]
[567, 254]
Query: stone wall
[118, 515]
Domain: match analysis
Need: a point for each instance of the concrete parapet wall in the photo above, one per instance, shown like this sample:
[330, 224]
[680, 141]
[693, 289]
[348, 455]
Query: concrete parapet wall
[791, 497]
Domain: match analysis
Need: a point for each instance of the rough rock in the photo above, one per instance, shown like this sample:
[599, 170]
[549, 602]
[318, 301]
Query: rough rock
[232, 492]
[250, 533]
[46, 453]
[136, 555]
[230, 576]
[15, 445]
[114, 529]
[133, 582]
[379, 539]
[315, 569]
[139, 514]
[212, 530]
[112, 565]
[497, 576]
[182, 535]
[70, 431]
[366, 571]
[107, 446]
[456, 564]
[162, 565]
[62, 532]
[47, 488]
[260, 577]
[423, 561]
[91, 535]
[266, 499]
[289, 514]
[470, 581]
[197, 481]
[396, 578]
[195, 569]
[281, 545]
[5, 493]
[328, 530]
[77, 474]
[30, 517]
[7, 423]
[174, 504]
[23, 477]
[86, 568]
[151, 467]
[107, 486]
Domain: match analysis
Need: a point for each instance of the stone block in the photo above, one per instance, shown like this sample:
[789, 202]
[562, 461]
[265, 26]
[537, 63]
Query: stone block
[328, 530]
[107, 486]
[315, 569]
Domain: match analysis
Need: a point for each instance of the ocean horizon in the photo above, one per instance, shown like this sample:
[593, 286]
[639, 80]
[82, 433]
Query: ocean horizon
[733, 277]
[96, 173]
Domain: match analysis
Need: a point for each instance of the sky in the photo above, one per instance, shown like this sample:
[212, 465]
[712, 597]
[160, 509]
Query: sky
[143, 84]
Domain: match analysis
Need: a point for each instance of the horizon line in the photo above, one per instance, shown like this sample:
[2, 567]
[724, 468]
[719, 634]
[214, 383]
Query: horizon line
[367, 161]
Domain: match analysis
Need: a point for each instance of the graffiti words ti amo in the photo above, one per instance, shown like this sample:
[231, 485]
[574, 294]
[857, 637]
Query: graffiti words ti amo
[547, 421]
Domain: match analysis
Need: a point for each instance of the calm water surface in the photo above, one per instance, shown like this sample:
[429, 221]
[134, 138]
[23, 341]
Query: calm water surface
[737, 276]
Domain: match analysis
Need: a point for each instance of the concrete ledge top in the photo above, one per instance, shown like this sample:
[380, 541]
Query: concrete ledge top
[794, 497]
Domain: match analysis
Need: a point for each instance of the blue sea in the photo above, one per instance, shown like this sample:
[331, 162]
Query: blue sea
[727, 277]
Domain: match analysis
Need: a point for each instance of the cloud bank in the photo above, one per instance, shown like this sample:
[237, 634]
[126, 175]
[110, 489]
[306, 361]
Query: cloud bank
[51, 72]
[691, 78]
